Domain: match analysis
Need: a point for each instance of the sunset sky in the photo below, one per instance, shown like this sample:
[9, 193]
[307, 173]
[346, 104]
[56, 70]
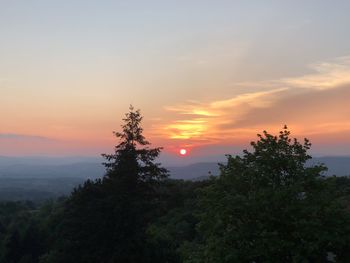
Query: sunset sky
[207, 75]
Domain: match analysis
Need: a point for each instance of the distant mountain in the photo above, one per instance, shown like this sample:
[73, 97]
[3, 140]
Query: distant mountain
[95, 170]
[197, 170]
[36, 189]
[84, 168]
[36, 182]
[75, 170]
[42, 178]
[337, 165]
[47, 160]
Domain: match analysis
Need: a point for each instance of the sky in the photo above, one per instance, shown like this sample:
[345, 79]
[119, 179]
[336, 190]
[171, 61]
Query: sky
[207, 75]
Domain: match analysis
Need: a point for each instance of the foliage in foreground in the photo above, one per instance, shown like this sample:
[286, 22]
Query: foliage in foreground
[266, 206]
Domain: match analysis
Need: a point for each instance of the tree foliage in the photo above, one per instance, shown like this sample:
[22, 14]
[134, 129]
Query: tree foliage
[133, 158]
[269, 206]
[105, 220]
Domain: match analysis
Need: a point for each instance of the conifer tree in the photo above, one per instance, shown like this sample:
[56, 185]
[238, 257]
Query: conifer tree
[106, 220]
[133, 158]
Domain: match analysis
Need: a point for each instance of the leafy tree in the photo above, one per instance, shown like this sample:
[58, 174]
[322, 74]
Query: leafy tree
[20, 238]
[268, 206]
[12, 244]
[177, 224]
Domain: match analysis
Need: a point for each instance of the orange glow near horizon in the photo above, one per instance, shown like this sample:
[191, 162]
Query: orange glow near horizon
[205, 89]
[183, 152]
[319, 113]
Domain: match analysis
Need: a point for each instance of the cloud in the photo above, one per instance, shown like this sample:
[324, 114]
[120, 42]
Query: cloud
[31, 144]
[326, 75]
[312, 104]
[322, 75]
[14, 136]
[310, 110]
[199, 122]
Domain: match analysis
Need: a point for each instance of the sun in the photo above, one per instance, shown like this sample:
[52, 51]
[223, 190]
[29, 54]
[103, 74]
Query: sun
[183, 151]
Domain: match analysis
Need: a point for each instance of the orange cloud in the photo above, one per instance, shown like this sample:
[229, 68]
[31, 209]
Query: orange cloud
[201, 123]
[314, 105]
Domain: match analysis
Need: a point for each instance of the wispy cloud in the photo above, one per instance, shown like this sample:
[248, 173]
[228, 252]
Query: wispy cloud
[201, 122]
[15, 136]
[314, 103]
[325, 75]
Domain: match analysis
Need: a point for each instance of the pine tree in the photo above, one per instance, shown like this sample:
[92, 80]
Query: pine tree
[133, 158]
[106, 220]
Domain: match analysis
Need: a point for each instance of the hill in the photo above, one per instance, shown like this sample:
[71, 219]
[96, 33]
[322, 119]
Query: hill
[42, 178]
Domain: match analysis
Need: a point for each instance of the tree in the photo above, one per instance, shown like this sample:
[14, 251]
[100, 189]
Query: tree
[269, 206]
[177, 225]
[133, 161]
[106, 220]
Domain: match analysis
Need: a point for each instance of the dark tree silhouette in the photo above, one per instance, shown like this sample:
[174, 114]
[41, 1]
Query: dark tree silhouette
[133, 158]
[269, 206]
[106, 220]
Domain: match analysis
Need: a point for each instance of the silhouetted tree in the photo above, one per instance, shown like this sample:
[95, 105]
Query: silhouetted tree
[106, 220]
[133, 161]
[268, 206]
